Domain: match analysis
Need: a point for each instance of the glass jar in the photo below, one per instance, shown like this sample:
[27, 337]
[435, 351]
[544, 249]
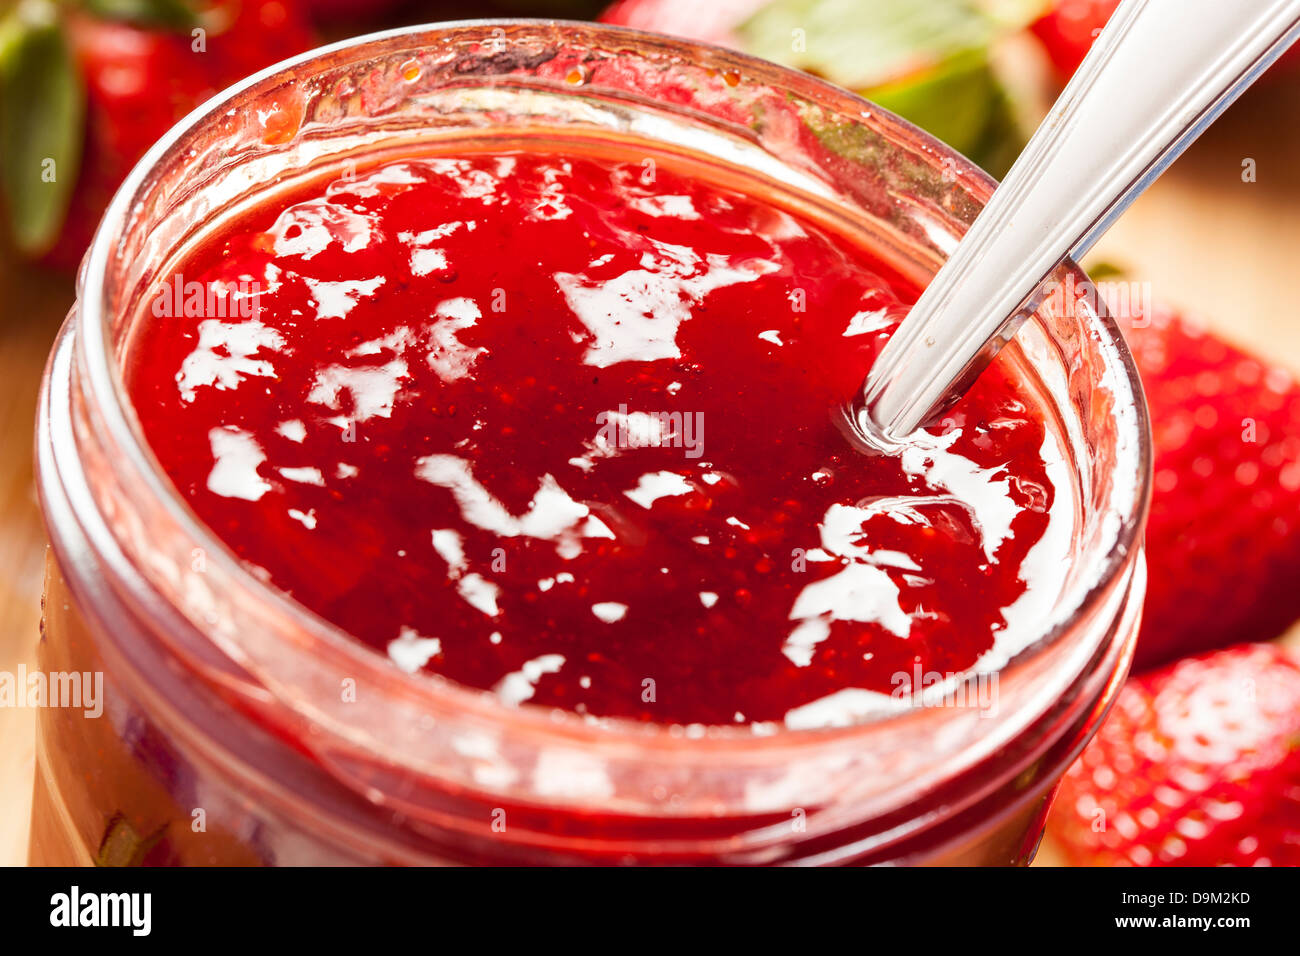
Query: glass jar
[237, 727]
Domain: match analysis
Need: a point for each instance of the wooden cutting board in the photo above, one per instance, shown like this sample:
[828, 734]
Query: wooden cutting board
[1207, 240]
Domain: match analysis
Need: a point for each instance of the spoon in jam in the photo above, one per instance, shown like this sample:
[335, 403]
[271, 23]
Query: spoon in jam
[1157, 76]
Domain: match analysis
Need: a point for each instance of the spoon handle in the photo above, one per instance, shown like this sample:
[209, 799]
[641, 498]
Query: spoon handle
[1157, 76]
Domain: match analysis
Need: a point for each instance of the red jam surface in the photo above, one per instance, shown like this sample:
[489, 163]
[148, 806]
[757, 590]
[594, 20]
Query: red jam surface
[563, 429]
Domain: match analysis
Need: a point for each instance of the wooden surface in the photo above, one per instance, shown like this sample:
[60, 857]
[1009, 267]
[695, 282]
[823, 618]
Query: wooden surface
[32, 306]
[1207, 241]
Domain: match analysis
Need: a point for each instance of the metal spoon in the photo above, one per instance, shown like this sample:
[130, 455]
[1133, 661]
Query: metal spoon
[1158, 75]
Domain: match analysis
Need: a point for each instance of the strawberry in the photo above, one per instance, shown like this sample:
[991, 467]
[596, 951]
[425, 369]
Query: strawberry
[1223, 538]
[103, 80]
[1068, 29]
[1197, 765]
[710, 23]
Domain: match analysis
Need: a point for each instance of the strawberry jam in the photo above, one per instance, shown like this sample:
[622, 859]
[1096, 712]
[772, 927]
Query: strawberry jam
[568, 429]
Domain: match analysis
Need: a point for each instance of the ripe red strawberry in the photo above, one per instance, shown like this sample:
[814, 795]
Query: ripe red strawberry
[1197, 765]
[138, 80]
[1068, 29]
[1223, 539]
[711, 22]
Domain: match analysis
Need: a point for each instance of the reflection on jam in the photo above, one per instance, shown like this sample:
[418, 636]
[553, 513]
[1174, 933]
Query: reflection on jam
[562, 429]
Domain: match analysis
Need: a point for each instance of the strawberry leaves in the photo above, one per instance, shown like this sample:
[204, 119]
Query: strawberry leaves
[42, 108]
[861, 45]
[164, 14]
[929, 62]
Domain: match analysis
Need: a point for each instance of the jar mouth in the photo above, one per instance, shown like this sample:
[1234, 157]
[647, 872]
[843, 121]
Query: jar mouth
[301, 631]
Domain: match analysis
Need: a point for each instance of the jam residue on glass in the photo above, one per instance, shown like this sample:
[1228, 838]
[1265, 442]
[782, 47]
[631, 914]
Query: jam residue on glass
[564, 429]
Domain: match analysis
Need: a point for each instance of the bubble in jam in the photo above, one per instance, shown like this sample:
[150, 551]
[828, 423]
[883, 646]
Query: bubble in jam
[569, 434]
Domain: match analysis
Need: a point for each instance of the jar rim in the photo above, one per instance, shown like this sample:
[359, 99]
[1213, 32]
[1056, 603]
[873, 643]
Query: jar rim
[104, 384]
